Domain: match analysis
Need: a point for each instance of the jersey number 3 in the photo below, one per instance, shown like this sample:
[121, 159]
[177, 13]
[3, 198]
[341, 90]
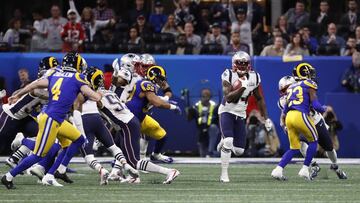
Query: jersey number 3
[55, 90]
[296, 92]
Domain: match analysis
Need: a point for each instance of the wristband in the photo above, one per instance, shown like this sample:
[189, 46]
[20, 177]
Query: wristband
[172, 107]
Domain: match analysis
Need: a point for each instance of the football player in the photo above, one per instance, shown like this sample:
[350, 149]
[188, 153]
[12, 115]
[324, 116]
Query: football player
[63, 87]
[238, 84]
[319, 122]
[118, 113]
[300, 99]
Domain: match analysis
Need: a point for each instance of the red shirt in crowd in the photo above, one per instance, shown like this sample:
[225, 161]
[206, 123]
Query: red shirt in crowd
[72, 34]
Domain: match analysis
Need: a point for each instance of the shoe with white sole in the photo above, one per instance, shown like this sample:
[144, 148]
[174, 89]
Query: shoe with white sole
[16, 143]
[50, 180]
[116, 175]
[131, 171]
[277, 173]
[224, 179]
[219, 146]
[171, 176]
[131, 180]
[11, 162]
[161, 157]
[104, 175]
[37, 171]
[305, 173]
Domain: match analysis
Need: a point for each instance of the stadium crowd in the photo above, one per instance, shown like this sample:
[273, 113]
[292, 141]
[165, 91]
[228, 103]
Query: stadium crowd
[221, 27]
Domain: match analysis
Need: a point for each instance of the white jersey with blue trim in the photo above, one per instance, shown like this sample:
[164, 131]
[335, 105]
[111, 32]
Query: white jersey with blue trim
[129, 88]
[239, 108]
[89, 107]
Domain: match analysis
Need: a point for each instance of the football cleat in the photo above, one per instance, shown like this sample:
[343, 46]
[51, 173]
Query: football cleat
[116, 175]
[16, 143]
[224, 179]
[340, 173]
[277, 173]
[37, 171]
[8, 184]
[104, 175]
[131, 171]
[131, 180]
[11, 162]
[219, 145]
[63, 176]
[304, 172]
[314, 170]
[161, 158]
[171, 176]
[50, 180]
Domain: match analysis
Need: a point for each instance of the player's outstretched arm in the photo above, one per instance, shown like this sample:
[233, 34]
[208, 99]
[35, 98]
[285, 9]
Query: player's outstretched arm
[41, 83]
[315, 102]
[91, 94]
[156, 101]
[231, 96]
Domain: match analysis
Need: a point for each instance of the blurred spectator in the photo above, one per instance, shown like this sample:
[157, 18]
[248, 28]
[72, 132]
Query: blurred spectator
[215, 36]
[137, 11]
[170, 26]
[350, 47]
[142, 26]
[134, 37]
[260, 143]
[23, 77]
[73, 34]
[3, 92]
[186, 11]
[102, 12]
[357, 35]
[203, 23]
[108, 71]
[89, 22]
[38, 41]
[241, 22]
[310, 42]
[332, 38]
[204, 113]
[277, 33]
[158, 19]
[54, 26]
[283, 27]
[220, 13]
[322, 18]
[351, 19]
[334, 126]
[12, 35]
[276, 49]
[297, 16]
[296, 46]
[351, 77]
[182, 46]
[192, 38]
[235, 45]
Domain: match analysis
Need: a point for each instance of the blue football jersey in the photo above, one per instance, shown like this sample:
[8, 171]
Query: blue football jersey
[139, 106]
[63, 89]
[298, 97]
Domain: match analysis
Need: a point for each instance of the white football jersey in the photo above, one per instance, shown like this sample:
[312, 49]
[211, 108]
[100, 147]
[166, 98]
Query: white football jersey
[316, 116]
[114, 109]
[129, 88]
[25, 105]
[89, 107]
[239, 108]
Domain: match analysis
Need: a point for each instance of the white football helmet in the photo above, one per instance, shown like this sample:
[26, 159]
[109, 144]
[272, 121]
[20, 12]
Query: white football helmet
[284, 83]
[127, 61]
[241, 62]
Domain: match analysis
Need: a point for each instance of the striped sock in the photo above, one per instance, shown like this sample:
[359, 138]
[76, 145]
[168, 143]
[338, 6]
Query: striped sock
[151, 167]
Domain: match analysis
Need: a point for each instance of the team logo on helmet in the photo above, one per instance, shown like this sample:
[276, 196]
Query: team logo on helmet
[47, 63]
[73, 62]
[95, 77]
[304, 71]
[156, 74]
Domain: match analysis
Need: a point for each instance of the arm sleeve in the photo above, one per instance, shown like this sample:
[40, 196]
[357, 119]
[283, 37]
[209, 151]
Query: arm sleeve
[317, 106]
[232, 14]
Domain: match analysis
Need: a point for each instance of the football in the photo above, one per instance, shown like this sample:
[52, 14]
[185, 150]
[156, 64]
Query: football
[236, 85]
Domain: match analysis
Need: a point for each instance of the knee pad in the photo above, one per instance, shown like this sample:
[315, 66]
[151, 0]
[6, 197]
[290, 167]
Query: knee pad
[238, 151]
[228, 143]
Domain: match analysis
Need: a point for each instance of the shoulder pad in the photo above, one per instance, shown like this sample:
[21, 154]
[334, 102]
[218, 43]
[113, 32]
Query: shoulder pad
[49, 73]
[81, 78]
[147, 86]
[226, 75]
[310, 84]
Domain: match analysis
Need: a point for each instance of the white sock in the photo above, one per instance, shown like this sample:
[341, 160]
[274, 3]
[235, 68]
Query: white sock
[62, 169]
[332, 156]
[92, 162]
[279, 168]
[225, 159]
[50, 176]
[306, 167]
[303, 148]
[151, 167]
[117, 153]
[21, 152]
[143, 147]
[116, 168]
[9, 177]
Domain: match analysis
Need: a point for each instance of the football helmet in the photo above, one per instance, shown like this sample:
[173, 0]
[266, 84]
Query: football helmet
[45, 64]
[284, 83]
[73, 62]
[128, 61]
[241, 62]
[156, 74]
[95, 77]
[304, 71]
[146, 61]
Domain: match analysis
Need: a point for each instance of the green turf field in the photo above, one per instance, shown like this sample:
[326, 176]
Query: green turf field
[197, 183]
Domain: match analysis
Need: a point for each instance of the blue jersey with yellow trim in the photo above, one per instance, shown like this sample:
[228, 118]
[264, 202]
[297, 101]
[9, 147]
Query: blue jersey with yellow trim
[63, 89]
[139, 106]
[298, 97]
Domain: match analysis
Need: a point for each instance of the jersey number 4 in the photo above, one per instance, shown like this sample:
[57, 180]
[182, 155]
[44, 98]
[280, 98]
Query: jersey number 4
[55, 90]
[296, 92]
